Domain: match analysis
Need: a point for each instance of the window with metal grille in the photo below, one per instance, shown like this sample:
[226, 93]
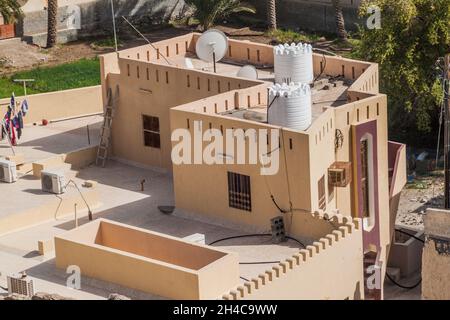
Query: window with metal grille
[151, 131]
[365, 177]
[239, 193]
[321, 189]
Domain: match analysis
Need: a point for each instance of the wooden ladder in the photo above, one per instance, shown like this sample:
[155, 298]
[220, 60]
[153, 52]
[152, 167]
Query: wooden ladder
[105, 134]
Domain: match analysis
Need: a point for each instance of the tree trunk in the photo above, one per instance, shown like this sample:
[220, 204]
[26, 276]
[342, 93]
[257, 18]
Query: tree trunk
[272, 14]
[340, 22]
[52, 11]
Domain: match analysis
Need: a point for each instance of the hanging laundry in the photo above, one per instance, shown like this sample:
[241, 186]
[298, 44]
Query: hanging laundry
[24, 108]
[20, 119]
[16, 126]
[13, 101]
[12, 133]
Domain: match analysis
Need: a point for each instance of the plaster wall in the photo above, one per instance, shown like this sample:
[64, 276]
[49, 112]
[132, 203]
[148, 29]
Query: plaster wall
[328, 269]
[49, 210]
[127, 255]
[60, 104]
[435, 264]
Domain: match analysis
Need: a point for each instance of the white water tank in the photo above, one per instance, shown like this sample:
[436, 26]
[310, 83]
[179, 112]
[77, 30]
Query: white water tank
[293, 63]
[291, 107]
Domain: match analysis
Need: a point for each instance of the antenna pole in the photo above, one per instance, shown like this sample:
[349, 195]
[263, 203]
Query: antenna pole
[148, 41]
[114, 24]
[214, 61]
[24, 83]
[447, 131]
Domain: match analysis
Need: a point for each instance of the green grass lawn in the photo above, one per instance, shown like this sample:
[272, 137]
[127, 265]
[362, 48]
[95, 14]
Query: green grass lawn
[81, 73]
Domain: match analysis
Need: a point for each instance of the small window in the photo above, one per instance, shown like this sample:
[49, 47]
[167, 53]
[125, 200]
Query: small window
[151, 131]
[239, 193]
[321, 189]
[364, 150]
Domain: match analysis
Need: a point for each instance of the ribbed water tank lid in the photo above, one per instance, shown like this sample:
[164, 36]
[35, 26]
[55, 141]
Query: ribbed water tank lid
[292, 89]
[288, 49]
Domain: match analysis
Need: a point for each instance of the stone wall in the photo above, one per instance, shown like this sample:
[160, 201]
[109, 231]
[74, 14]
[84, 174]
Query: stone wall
[79, 18]
[436, 255]
[313, 15]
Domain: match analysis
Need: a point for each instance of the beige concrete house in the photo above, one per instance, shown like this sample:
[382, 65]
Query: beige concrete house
[338, 183]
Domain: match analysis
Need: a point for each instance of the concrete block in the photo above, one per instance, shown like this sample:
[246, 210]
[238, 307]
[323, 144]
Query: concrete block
[18, 158]
[311, 250]
[257, 282]
[277, 271]
[40, 165]
[46, 246]
[196, 238]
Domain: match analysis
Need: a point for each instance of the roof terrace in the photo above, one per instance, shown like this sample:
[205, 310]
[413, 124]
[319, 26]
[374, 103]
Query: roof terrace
[338, 81]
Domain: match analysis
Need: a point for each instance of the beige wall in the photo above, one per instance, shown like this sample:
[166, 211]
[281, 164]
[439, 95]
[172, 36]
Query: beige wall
[148, 88]
[328, 269]
[301, 166]
[435, 265]
[152, 262]
[60, 104]
[47, 211]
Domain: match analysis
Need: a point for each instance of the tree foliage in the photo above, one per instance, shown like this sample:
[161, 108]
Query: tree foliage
[10, 10]
[413, 35]
[209, 11]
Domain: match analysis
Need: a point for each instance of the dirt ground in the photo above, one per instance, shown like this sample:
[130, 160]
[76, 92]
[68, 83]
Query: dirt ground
[426, 192]
[16, 55]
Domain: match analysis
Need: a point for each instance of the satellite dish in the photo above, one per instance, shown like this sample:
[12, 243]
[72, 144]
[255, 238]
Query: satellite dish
[248, 72]
[212, 46]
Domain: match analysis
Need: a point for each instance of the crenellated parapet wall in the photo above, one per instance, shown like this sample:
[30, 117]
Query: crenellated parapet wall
[329, 268]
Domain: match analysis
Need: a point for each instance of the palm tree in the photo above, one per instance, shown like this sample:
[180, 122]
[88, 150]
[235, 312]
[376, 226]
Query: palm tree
[52, 12]
[10, 10]
[272, 14]
[340, 22]
[209, 11]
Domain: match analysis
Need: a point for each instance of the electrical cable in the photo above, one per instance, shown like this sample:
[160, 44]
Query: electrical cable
[241, 236]
[82, 197]
[245, 279]
[395, 282]
[259, 262]
[276, 204]
[296, 240]
[411, 235]
[148, 41]
[324, 60]
[254, 235]
[403, 286]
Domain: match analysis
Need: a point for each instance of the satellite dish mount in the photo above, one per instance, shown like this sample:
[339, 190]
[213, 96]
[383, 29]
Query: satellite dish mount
[212, 47]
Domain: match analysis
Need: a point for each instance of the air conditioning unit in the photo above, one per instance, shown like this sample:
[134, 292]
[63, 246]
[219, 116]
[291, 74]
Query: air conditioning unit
[8, 172]
[19, 284]
[340, 174]
[53, 181]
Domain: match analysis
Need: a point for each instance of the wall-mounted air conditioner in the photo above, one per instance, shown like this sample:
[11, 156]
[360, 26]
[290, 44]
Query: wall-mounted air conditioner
[53, 181]
[340, 174]
[19, 283]
[8, 172]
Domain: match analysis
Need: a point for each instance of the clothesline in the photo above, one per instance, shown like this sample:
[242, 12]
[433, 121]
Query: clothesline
[12, 123]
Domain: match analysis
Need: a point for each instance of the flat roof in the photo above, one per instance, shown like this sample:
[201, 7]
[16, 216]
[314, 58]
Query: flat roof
[40, 142]
[122, 201]
[224, 67]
